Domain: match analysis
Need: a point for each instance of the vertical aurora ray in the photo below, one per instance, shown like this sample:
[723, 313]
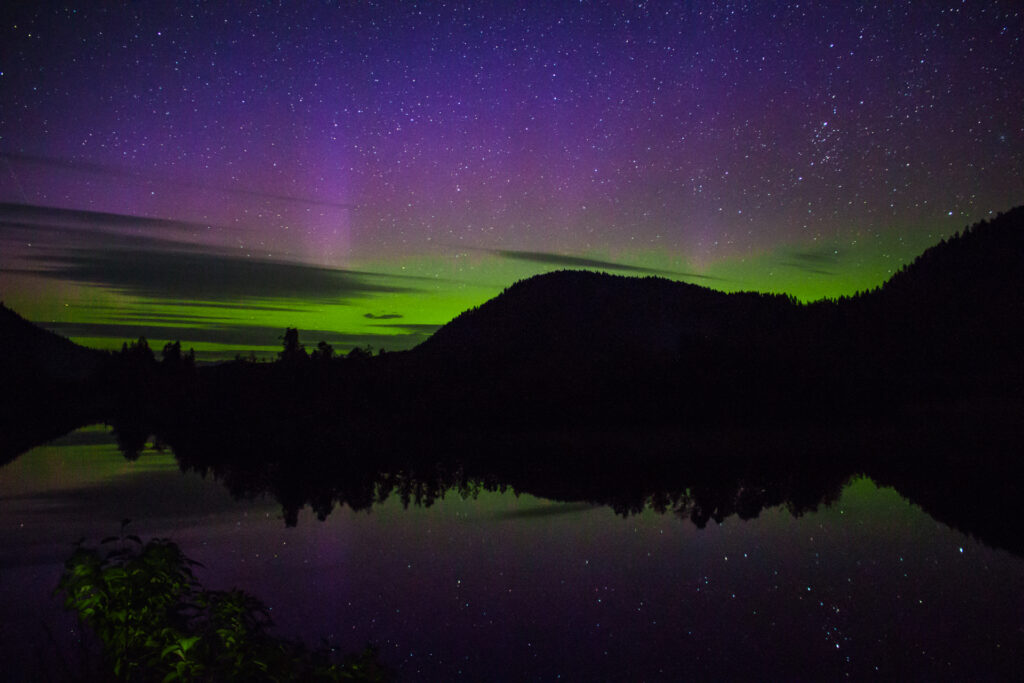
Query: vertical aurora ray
[703, 143]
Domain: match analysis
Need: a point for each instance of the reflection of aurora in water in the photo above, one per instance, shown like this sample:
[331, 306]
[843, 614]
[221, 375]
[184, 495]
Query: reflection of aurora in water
[503, 585]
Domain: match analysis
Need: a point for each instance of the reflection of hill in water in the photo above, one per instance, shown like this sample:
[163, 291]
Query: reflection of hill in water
[585, 387]
[566, 472]
[963, 476]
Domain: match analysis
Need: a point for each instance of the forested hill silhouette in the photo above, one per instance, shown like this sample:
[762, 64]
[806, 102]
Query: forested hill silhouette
[579, 349]
[606, 385]
[961, 301]
[576, 345]
[974, 279]
[33, 352]
[982, 264]
[48, 384]
[947, 326]
[582, 314]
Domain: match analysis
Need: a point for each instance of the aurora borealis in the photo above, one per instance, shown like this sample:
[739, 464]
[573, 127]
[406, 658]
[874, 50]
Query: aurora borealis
[214, 172]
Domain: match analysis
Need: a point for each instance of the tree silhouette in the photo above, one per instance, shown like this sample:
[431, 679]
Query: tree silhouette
[174, 361]
[292, 351]
[172, 354]
[358, 353]
[138, 352]
[323, 352]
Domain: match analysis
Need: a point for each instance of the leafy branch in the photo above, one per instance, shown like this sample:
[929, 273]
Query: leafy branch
[155, 622]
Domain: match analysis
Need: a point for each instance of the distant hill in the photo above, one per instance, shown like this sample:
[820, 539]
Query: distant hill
[29, 351]
[961, 301]
[577, 347]
[981, 264]
[592, 348]
[573, 315]
[947, 326]
[973, 281]
[47, 384]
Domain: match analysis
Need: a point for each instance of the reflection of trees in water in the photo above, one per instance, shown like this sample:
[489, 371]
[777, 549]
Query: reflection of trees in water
[962, 472]
[746, 500]
[854, 381]
[300, 470]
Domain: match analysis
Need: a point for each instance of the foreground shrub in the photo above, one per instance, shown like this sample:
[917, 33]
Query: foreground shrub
[155, 622]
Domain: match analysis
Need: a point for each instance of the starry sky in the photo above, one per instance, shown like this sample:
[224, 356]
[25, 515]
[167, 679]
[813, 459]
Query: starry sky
[214, 172]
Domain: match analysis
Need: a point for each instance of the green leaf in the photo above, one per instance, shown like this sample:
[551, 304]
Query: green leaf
[145, 605]
[187, 643]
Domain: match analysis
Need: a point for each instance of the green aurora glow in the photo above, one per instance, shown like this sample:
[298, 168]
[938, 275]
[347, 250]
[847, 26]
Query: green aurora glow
[367, 172]
[445, 284]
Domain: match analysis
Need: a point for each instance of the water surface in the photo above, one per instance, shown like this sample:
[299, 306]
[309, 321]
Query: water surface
[516, 587]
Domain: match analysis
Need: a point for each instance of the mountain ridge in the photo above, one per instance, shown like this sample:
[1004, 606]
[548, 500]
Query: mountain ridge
[27, 349]
[560, 312]
[578, 345]
[973, 279]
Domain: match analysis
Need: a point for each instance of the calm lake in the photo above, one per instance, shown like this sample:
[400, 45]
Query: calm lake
[503, 586]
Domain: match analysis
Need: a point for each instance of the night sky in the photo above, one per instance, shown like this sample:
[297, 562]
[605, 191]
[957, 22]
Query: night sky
[214, 172]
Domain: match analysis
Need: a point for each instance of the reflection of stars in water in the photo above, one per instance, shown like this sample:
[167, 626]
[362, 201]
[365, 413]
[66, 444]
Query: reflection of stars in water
[833, 632]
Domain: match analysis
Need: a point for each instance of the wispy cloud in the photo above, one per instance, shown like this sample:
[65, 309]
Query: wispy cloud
[816, 261]
[247, 306]
[568, 261]
[424, 329]
[210, 277]
[545, 511]
[121, 311]
[123, 253]
[55, 218]
[382, 316]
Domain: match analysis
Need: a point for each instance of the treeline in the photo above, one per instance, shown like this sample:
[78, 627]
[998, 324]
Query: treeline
[578, 349]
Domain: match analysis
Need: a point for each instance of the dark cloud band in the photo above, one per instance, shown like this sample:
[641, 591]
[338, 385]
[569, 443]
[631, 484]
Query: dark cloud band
[549, 258]
[135, 261]
[210, 277]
